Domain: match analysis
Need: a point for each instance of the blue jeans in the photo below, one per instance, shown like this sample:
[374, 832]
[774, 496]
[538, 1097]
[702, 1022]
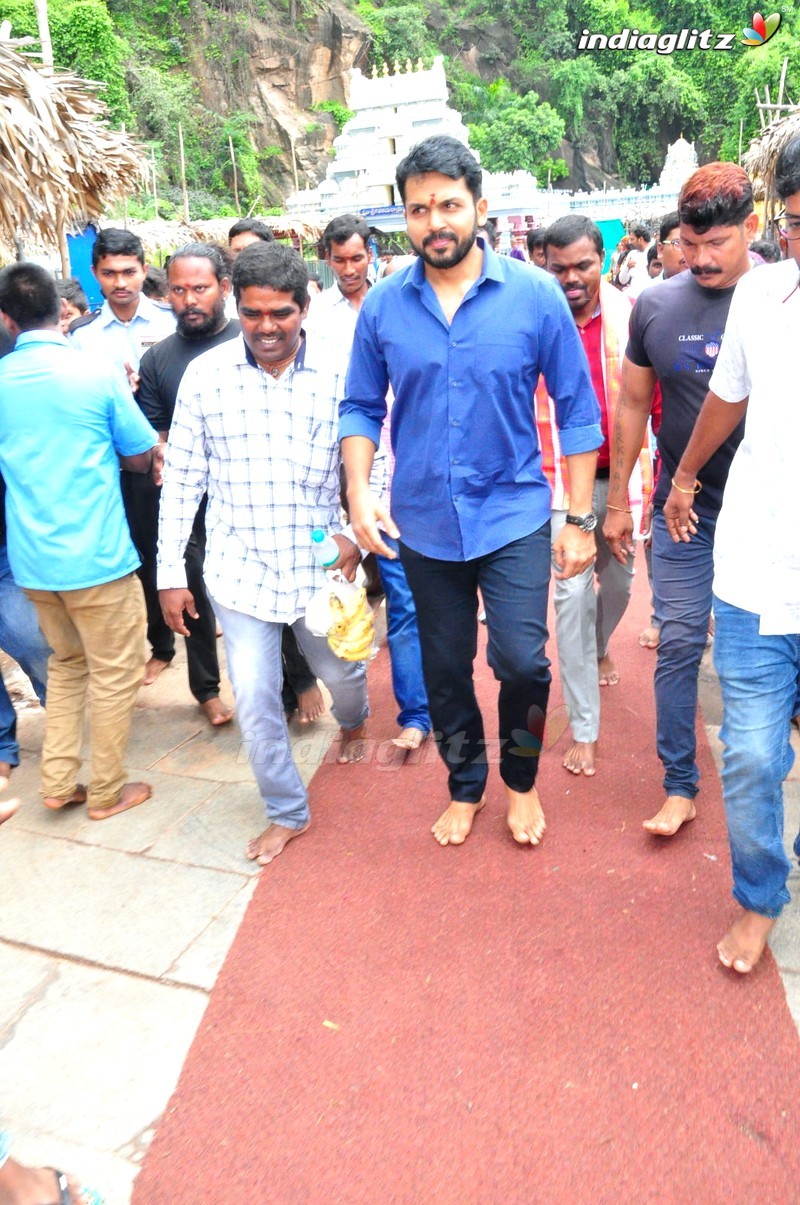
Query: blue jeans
[21, 639]
[682, 579]
[402, 637]
[513, 582]
[255, 666]
[759, 676]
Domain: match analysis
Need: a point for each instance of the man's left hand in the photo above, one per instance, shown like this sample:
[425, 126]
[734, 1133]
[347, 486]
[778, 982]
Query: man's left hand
[157, 468]
[349, 558]
[573, 551]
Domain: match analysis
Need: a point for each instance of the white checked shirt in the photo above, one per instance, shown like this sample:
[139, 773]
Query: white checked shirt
[267, 452]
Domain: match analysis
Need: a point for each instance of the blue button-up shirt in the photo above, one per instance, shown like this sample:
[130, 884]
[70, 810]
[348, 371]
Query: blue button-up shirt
[468, 468]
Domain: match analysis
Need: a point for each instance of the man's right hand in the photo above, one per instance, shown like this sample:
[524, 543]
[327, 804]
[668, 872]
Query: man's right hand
[365, 512]
[173, 605]
[618, 531]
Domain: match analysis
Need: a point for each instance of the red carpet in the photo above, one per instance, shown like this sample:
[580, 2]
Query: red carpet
[401, 1023]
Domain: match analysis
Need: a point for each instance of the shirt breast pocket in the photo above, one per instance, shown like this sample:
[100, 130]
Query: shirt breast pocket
[315, 453]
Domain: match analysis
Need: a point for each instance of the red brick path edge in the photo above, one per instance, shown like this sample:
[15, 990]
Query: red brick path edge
[397, 1022]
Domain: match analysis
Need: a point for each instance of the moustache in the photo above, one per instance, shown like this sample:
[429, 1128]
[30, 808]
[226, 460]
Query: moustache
[706, 271]
[430, 238]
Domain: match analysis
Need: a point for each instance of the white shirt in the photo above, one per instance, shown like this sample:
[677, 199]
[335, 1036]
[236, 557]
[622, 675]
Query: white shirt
[267, 452]
[756, 549]
[332, 317]
[126, 342]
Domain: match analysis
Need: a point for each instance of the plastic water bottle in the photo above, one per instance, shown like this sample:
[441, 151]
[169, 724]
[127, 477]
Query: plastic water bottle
[325, 548]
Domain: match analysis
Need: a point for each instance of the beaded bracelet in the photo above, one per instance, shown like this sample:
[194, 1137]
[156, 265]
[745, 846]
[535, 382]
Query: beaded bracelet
[695, 489]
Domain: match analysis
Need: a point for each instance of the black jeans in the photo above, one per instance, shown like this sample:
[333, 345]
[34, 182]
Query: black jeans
[513, 582]
[141, 498]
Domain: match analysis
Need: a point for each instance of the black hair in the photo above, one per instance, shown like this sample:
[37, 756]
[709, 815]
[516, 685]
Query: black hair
[489, 230]
[535, 238]
[70, 289]
[342, 228]
[787, 170]
[573, 226]
[210, 251]
[770, 252]
[113, 241]
[29, 296]
[251, 226]
[640, 232]
[652, 253]
[443, 154]
[271, 267]
[669, 222]
[155, 283]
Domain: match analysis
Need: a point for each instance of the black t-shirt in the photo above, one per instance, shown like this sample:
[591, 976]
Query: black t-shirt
[162, 369]
[6, 345]
[676, 329]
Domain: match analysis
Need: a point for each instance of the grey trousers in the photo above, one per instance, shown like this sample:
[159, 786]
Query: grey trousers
[586, 619]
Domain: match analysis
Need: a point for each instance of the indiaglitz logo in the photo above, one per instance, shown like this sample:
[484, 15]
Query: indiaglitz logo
[758, 33]
[761, 30]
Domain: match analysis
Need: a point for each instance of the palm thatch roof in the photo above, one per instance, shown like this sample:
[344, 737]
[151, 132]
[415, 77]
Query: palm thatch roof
[60, 160]
[161, 237]
[759, 161]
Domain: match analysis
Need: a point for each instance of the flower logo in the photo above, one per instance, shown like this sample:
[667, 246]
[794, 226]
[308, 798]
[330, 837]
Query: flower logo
[763, 28]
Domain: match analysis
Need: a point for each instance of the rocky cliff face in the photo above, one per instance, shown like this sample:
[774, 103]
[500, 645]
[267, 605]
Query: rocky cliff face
[277, 71]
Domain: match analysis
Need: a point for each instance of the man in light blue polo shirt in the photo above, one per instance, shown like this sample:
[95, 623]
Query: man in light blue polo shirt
[462, 336]
[64, 421]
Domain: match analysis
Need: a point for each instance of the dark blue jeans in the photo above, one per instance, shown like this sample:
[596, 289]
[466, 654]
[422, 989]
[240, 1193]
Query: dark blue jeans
[21, 639]
[682, 579]
[402, 637]
[513, 582]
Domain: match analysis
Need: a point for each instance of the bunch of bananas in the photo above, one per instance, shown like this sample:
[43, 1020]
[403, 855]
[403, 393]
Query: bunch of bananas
[353, 628]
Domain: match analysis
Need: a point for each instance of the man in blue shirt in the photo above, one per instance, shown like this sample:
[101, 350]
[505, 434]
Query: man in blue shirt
[461, 337]
[64, 420]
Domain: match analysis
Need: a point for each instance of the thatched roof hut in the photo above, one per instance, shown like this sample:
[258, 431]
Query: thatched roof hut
[161, 237]
[759, 161]
[60, 160]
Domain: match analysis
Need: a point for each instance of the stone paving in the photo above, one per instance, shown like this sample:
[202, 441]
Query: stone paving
[112, 933]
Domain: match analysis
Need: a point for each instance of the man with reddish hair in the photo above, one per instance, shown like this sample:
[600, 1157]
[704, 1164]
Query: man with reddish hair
[676, 332]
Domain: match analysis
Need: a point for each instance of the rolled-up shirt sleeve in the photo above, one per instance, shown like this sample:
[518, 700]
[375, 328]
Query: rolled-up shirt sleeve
[566, 374]
[363, 407]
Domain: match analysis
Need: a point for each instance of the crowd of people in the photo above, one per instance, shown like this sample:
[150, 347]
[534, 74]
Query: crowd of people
[478, 422]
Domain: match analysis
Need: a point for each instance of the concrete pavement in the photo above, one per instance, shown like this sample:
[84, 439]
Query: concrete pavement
[112, 933]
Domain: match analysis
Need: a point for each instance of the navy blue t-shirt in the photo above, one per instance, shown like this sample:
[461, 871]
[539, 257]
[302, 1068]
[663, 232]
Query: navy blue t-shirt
[676, 329]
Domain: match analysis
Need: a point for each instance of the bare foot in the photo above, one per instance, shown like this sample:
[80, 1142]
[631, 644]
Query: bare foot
[29, 1185]
[131, 795]
[77, 796]
[310, 705]
[455, 824]
[409, 738]
[273, 841]
[152, 669]
[579, 758]
[7, 809]
[650, 637]
[525, 816]
[743, 944]
[351, 744]
[675, 811]
[607, 670]
[216, 712]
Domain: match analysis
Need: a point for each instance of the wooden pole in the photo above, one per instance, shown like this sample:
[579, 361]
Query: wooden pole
[783, 82]
[155, 184]
[741, 136]
[43, 22]
[235, 177]
[183, 176]
[63, 246]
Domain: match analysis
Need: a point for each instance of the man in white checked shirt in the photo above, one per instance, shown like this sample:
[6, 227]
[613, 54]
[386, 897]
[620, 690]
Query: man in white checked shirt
[255, 425]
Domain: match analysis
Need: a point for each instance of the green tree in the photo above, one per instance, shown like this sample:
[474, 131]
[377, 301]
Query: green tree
[518, 133]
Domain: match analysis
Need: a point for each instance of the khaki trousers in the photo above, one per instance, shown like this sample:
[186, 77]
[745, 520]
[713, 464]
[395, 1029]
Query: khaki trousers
[97, 638]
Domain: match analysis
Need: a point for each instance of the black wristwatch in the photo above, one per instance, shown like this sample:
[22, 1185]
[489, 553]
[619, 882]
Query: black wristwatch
[586, 523]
